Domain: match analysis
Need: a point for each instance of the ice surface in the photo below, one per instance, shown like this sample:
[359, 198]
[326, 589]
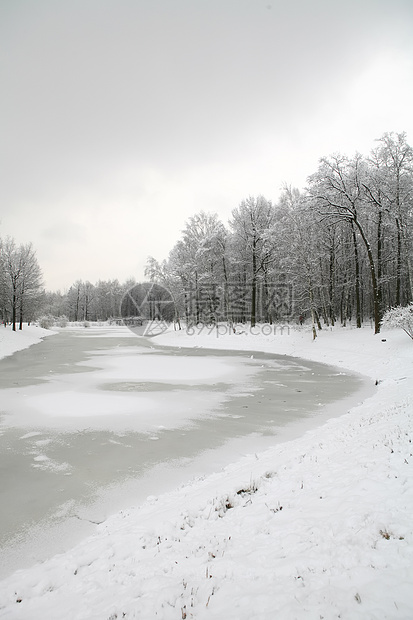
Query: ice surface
[316, 527]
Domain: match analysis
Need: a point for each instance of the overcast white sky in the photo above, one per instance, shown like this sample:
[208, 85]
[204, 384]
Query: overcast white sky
[119, 119]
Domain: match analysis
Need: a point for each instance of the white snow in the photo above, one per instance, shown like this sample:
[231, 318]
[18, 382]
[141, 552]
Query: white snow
[317, 527]
[78, 402]
[11, 341]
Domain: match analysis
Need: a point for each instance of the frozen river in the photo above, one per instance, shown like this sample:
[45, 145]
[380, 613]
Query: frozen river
[95, 420]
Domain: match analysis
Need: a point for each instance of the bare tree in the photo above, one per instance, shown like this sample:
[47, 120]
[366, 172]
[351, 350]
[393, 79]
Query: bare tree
[22, 278]
[338, 193]
[394, 162]
[249, 224]
[301, 253]
[30, 281]
[198, 263]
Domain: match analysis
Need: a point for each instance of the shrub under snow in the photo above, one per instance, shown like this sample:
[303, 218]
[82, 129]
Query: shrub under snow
[400, 317]
[47, 321]
[62, 320]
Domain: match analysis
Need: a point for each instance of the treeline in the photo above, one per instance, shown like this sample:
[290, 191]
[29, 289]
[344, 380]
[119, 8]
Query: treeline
[23, 298]
[85, 301]
[337, 251]
[21, 287]
[340, 250]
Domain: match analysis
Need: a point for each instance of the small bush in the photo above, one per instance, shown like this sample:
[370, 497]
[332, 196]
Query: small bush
[47, 321]
[401, 317]
[62, 320]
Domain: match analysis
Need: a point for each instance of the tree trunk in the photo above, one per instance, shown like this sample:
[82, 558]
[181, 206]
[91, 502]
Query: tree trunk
[377, 316]
[227, 314]
[357, 268]
[77, 305]
[380, 263]
[314, 315]
[197, 305]
[398, 264]
[21, 311]
[14, 310]
[254, 284]
[331, 287]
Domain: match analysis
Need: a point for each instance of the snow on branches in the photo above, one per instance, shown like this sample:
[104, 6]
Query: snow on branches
[400, 317]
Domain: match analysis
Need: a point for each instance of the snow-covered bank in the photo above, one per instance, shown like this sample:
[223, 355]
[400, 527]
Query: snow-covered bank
[11, 341]
[317, 527]
[383, 355]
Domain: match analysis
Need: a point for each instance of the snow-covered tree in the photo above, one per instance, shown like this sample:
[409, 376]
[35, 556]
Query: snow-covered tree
[338, 193]
[198, 263]
[252, 250]
[395, 165]
[401, 317]
[301, 254]
[21, 280]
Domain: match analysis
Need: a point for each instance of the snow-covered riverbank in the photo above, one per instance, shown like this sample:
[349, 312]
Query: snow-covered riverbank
[11, 341]
[318, 527]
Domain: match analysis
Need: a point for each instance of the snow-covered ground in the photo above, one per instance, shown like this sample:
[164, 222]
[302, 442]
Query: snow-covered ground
[318, 527]
[11, 341]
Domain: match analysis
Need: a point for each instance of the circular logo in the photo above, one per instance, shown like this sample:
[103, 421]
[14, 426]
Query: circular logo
[147, 309]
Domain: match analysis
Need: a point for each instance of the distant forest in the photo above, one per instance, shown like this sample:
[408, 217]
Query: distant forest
[338, 251]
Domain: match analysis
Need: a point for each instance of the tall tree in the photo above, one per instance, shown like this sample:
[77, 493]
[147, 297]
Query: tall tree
[30, 281]
[3, 285]
[22, 278]
[250, 223]
[298, 240]
[197, 261]
[337, 192]
[395, 161]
